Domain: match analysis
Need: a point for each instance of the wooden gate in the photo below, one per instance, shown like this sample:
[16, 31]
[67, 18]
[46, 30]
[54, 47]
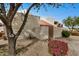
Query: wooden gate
[50, 32]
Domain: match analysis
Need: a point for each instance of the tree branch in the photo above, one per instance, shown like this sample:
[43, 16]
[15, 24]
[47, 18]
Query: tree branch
[24, 22]
[3, 19]
[13, 10]
[3, 14]
[3, 9]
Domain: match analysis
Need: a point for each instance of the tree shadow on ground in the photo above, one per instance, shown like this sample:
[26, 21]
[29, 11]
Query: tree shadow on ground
[3, 50]
[25, 48]
[3, 45]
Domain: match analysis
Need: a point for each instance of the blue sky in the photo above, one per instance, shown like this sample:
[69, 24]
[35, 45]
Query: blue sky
[57, 13]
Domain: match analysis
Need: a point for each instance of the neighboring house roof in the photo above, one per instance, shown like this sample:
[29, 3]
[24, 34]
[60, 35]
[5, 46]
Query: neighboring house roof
[47, 20]
[44, 23]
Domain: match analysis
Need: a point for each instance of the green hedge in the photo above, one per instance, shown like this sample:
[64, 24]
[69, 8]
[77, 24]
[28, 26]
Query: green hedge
[65, 33]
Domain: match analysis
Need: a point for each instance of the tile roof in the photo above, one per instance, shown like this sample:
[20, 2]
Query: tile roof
[44, 23]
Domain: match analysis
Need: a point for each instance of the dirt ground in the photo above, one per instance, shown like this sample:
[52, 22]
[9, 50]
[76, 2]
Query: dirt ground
[36, 47]
[31, 47]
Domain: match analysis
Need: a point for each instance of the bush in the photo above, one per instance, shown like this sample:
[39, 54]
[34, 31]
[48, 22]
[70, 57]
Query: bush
[65, 33]
[58, 48]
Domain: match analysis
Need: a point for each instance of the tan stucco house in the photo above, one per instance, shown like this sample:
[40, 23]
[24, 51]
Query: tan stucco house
[41, 27]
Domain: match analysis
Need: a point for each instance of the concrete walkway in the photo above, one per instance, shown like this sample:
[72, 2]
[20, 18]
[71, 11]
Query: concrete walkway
[74, 45]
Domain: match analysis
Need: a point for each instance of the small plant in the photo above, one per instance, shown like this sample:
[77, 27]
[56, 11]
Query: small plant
[57, 48]
[65, 33]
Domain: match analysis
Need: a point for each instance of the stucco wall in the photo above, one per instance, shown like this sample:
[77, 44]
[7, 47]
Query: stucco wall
[57, 32]
[44, 32]
[31, 24]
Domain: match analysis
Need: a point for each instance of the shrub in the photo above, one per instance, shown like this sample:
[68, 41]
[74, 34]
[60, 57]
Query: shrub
[57, 48]
[65, 33]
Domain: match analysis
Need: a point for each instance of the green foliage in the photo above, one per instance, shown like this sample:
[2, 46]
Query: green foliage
[65, 33]
[68, 22]
[44, 5]
[77, 20]
[71, 22]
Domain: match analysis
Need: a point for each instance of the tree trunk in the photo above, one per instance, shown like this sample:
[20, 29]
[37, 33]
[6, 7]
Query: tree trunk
[12, 46]
[11, 41]
[72, 28]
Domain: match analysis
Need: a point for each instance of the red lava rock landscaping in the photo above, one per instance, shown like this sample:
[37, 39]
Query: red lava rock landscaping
[58, 48]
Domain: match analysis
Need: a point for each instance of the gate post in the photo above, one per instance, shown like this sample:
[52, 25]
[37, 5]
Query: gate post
[51, 33]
